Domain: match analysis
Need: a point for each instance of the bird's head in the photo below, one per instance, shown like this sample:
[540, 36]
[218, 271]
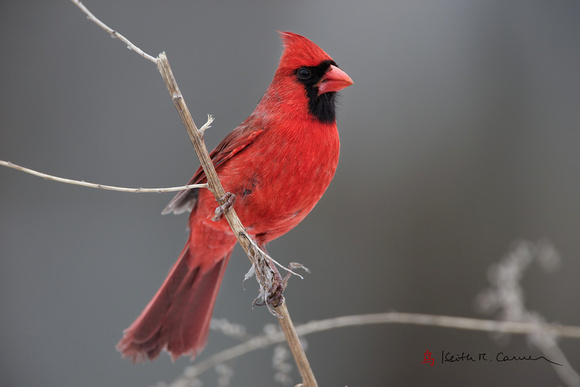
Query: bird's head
[307, 78]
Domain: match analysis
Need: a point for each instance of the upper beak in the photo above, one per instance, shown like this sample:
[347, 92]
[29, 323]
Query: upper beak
[333, 80]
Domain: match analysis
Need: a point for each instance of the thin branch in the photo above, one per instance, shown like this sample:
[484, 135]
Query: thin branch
[264, 273]
[295, 345]
[473, 324]
[96, 185]
[114, 33]
[104, 186]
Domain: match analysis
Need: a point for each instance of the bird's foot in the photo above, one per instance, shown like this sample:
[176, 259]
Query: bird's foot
[228, 201]
[274, 295]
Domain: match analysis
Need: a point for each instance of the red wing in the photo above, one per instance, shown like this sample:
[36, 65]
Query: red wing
[237, 140]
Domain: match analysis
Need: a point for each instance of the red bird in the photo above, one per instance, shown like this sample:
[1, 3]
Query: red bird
[277, 163]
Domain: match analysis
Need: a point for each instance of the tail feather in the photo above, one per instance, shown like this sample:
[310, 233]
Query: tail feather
[177, 318]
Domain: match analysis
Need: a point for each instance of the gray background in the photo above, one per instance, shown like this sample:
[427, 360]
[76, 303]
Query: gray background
[460, 135]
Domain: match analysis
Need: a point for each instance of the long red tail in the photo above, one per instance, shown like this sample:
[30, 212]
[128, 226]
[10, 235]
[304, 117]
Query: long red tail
[177, 318]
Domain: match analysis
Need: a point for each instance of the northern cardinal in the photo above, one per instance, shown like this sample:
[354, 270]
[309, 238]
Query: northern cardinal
[277, 163]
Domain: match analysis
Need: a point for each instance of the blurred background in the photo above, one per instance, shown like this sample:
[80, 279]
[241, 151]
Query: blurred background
[460, 135]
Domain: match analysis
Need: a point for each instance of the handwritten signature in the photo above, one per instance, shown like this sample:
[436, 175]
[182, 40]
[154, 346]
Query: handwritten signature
[500, 357]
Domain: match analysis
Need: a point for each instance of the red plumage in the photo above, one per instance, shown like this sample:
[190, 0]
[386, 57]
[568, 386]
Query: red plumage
[278, 163]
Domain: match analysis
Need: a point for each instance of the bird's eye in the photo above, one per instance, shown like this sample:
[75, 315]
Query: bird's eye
[304, 73]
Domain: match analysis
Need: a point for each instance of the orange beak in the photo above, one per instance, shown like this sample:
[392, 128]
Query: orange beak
[334, 80]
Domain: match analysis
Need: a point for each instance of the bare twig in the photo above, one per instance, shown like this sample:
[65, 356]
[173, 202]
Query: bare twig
[114, 33]
[104, 186]
[264, 273]
[295, 346]
[96, 185]
[473, 324]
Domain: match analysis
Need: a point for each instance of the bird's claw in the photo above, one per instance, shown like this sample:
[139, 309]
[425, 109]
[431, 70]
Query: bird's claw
[275, 295]
[228, 201]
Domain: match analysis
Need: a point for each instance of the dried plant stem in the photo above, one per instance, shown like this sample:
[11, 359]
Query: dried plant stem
[96, 185]
[264, 273]
[295, 345]
[473, 324]
[113, 33]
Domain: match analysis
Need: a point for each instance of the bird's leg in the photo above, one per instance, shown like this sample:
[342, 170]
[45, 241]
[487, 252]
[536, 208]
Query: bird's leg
[228, 201]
